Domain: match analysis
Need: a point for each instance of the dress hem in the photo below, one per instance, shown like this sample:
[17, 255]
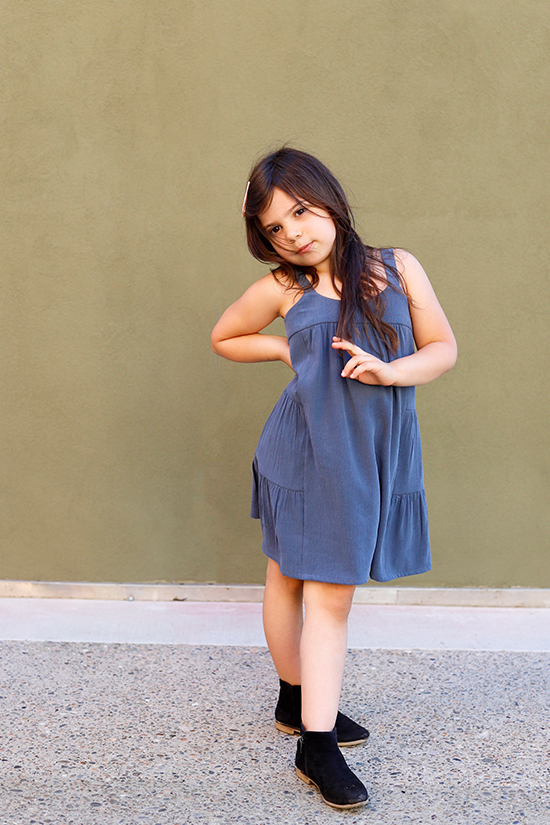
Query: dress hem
[361, 581]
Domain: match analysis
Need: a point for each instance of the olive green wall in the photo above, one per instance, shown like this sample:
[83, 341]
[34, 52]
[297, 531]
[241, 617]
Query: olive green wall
[128, 129]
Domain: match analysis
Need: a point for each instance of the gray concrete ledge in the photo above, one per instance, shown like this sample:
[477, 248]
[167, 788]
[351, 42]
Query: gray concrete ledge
[371, 626]
[253, 593]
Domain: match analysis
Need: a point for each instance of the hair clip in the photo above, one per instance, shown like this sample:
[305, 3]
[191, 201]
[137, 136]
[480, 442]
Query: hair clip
[245, 197]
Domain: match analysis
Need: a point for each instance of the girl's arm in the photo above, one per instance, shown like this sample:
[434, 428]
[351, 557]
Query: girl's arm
[237, 335]
[436, 345]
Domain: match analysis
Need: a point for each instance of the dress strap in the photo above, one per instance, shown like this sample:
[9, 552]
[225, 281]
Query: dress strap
[389, 263]
[302, 279]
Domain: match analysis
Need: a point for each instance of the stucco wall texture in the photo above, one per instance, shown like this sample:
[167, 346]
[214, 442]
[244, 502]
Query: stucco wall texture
[127, 133]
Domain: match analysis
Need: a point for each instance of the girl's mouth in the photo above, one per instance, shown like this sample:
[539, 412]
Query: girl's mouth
[305, 249]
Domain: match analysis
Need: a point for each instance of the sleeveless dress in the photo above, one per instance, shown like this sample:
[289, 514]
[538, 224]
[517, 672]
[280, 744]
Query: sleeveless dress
[337, 473]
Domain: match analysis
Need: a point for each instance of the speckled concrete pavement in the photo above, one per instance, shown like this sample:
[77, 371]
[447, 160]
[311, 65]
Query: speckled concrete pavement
[122, 734]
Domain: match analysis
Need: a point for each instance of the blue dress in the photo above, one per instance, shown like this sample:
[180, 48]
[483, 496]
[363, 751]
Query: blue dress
[337, 474]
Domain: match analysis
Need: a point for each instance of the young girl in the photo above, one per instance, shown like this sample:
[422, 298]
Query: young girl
[338, 481]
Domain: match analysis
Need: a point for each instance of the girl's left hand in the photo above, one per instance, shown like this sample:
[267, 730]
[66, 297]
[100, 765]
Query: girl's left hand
[364, 367]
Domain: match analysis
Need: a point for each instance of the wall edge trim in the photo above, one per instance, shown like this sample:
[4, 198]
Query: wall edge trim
[209, 592]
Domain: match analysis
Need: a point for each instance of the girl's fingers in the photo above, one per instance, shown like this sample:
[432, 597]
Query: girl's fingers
[350, 365]
[358, 361]
[361, 368]
[343, 344]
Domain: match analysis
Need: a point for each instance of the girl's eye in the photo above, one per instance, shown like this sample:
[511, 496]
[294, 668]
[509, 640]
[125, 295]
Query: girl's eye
[301, 210]
[274, 230]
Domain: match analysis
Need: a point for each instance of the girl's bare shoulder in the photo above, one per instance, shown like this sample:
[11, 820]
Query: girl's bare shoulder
[271, 293]
[407, 265]
[268, 286]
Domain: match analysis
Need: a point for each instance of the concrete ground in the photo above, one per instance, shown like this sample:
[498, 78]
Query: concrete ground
[122, 713]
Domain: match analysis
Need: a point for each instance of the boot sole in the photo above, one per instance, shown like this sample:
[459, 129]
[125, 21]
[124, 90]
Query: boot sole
[309, 781]
[352, 744]
[287, 729]
[290, 731]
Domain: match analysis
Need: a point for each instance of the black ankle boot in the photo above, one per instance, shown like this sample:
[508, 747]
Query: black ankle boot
[319, 762]
[288, 717]
[288, 713]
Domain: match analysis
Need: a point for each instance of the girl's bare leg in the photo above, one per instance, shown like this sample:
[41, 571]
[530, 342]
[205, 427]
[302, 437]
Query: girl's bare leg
[323, 651]
[283, 619]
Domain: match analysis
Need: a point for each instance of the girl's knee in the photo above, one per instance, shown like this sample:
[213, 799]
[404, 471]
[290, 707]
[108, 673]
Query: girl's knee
[335, 599]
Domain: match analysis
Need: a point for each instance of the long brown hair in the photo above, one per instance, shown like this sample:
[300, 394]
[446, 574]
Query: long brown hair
[355, 265]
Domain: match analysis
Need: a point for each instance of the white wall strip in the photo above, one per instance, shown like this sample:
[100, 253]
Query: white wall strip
[425, 596]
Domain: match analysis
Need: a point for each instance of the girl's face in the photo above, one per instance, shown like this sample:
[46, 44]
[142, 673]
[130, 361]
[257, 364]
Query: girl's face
[300, 233]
